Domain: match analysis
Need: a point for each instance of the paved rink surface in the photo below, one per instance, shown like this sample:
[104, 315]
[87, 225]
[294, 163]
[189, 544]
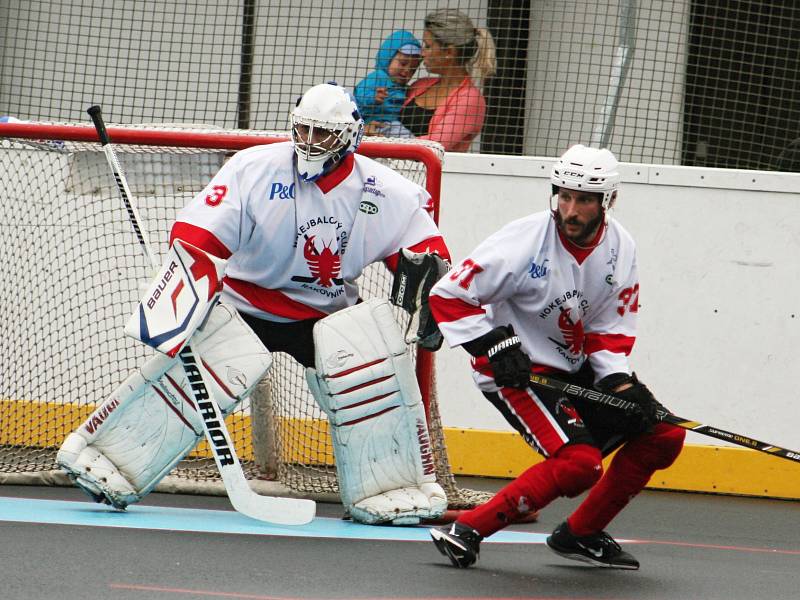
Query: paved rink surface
[57, 545]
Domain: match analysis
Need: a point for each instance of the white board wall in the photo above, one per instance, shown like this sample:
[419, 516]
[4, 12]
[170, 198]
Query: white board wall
[719, 262]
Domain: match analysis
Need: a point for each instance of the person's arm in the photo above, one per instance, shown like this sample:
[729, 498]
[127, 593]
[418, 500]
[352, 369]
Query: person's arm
[420, 234]
[610, 336]
[369, 96]
[484, 277]
[420, 258]
[458, 304]
[611, 331]
[458, 119]
[212, 219]
[364, 93]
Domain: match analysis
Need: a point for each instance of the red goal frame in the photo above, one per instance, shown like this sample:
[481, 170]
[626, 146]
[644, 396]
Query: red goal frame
[188, 138]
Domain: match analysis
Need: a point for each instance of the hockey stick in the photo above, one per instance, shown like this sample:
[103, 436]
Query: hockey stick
[122, 184]
[282, 511]
[667, 417]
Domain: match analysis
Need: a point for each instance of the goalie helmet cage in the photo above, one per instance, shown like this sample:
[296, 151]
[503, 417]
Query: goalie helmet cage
[73, 259]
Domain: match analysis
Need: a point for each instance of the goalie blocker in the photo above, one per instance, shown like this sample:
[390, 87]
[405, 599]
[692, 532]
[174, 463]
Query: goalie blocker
[150, 422]
[364, 382]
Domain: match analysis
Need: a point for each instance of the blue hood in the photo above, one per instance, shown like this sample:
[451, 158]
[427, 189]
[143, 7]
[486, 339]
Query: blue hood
[391, 45]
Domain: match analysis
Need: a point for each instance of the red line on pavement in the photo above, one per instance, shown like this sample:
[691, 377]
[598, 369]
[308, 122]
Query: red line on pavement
[150, 588]
[717, 547]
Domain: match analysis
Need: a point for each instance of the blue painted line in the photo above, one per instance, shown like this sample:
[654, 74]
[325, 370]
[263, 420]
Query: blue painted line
[62, 512]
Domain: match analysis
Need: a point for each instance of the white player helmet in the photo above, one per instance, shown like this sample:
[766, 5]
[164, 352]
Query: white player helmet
[331, 108]
[587, 169]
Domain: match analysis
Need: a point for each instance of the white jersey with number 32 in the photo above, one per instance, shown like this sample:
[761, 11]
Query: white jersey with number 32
[566, 304]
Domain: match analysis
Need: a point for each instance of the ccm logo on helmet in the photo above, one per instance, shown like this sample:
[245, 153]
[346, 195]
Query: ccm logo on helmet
[571, 174]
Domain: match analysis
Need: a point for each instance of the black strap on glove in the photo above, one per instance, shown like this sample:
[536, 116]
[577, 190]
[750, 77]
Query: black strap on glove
[510, 365]
[647, 407]
[414, 277]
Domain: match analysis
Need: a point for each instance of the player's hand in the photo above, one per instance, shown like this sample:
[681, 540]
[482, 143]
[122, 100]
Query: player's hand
[511, 367]
[381, 94]
[374, 127]
[628, 387]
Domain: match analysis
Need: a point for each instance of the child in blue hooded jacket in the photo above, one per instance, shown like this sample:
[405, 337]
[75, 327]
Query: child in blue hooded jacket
[381, 94]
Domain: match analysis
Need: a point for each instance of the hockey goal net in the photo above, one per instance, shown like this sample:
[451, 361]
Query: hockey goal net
[75, 267]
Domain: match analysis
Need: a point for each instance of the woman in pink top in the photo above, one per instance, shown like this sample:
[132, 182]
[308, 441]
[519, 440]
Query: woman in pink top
[450, 108]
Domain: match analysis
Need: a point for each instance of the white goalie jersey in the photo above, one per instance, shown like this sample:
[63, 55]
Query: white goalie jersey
[295, 247]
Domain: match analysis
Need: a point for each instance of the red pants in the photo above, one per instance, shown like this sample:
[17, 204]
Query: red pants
[573, 463]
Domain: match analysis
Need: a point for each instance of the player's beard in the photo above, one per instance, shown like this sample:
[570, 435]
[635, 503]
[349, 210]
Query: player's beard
[587, 231]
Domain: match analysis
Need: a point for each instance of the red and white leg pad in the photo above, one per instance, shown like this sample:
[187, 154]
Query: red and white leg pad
[149, 423]
[364, 381]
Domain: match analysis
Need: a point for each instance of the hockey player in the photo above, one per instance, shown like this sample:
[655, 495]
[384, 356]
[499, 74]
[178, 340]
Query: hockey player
[297, 222]
[557, 292]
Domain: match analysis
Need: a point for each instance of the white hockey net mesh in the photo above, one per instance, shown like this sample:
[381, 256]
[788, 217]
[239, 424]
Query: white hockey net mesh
[71, 269]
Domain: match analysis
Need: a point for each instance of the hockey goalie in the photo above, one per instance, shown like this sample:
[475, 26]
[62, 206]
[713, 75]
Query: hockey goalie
[296, 223]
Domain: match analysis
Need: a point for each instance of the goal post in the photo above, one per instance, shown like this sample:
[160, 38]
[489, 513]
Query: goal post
[76, 267]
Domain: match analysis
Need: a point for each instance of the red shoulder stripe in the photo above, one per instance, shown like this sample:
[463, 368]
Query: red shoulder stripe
[446, 310]
[613, 342]
[433, 245]
[199, 237]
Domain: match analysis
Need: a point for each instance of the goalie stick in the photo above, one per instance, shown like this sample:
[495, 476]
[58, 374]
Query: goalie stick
[665, 416]
[122, 184]
[271, 509]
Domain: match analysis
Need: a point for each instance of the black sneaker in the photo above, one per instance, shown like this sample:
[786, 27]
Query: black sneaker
[457, 542]
[599, 549]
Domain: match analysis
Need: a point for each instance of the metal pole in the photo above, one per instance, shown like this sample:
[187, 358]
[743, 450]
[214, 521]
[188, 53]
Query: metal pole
[244, 99]
[619, 69]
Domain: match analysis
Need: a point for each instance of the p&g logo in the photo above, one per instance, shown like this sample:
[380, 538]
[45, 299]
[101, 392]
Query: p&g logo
[279, 190]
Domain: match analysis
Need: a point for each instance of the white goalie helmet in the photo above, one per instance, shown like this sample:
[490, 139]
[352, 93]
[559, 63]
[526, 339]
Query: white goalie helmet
[587, 169]
[330, 109]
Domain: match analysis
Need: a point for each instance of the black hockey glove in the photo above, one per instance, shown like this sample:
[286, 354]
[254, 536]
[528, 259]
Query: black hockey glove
[647, 407]
[510, 365]
[415, 275]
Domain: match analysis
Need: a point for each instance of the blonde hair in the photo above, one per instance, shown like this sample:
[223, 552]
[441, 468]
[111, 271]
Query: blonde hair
[475, 45]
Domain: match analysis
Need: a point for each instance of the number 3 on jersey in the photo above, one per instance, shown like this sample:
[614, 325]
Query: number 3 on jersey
[628, 300]
[464, 272]
[217, 194]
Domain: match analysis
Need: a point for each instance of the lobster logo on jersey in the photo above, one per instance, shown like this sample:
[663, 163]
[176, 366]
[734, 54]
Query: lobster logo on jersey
[324, 263]
[571, 330]
[564, 406]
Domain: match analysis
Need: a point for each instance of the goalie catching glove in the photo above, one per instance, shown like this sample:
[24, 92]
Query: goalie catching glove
[416, 274]
[502, 347]
[366, 385]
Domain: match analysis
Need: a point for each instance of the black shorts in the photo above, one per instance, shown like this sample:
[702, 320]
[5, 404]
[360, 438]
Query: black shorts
[548, 419]
[295, 338]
